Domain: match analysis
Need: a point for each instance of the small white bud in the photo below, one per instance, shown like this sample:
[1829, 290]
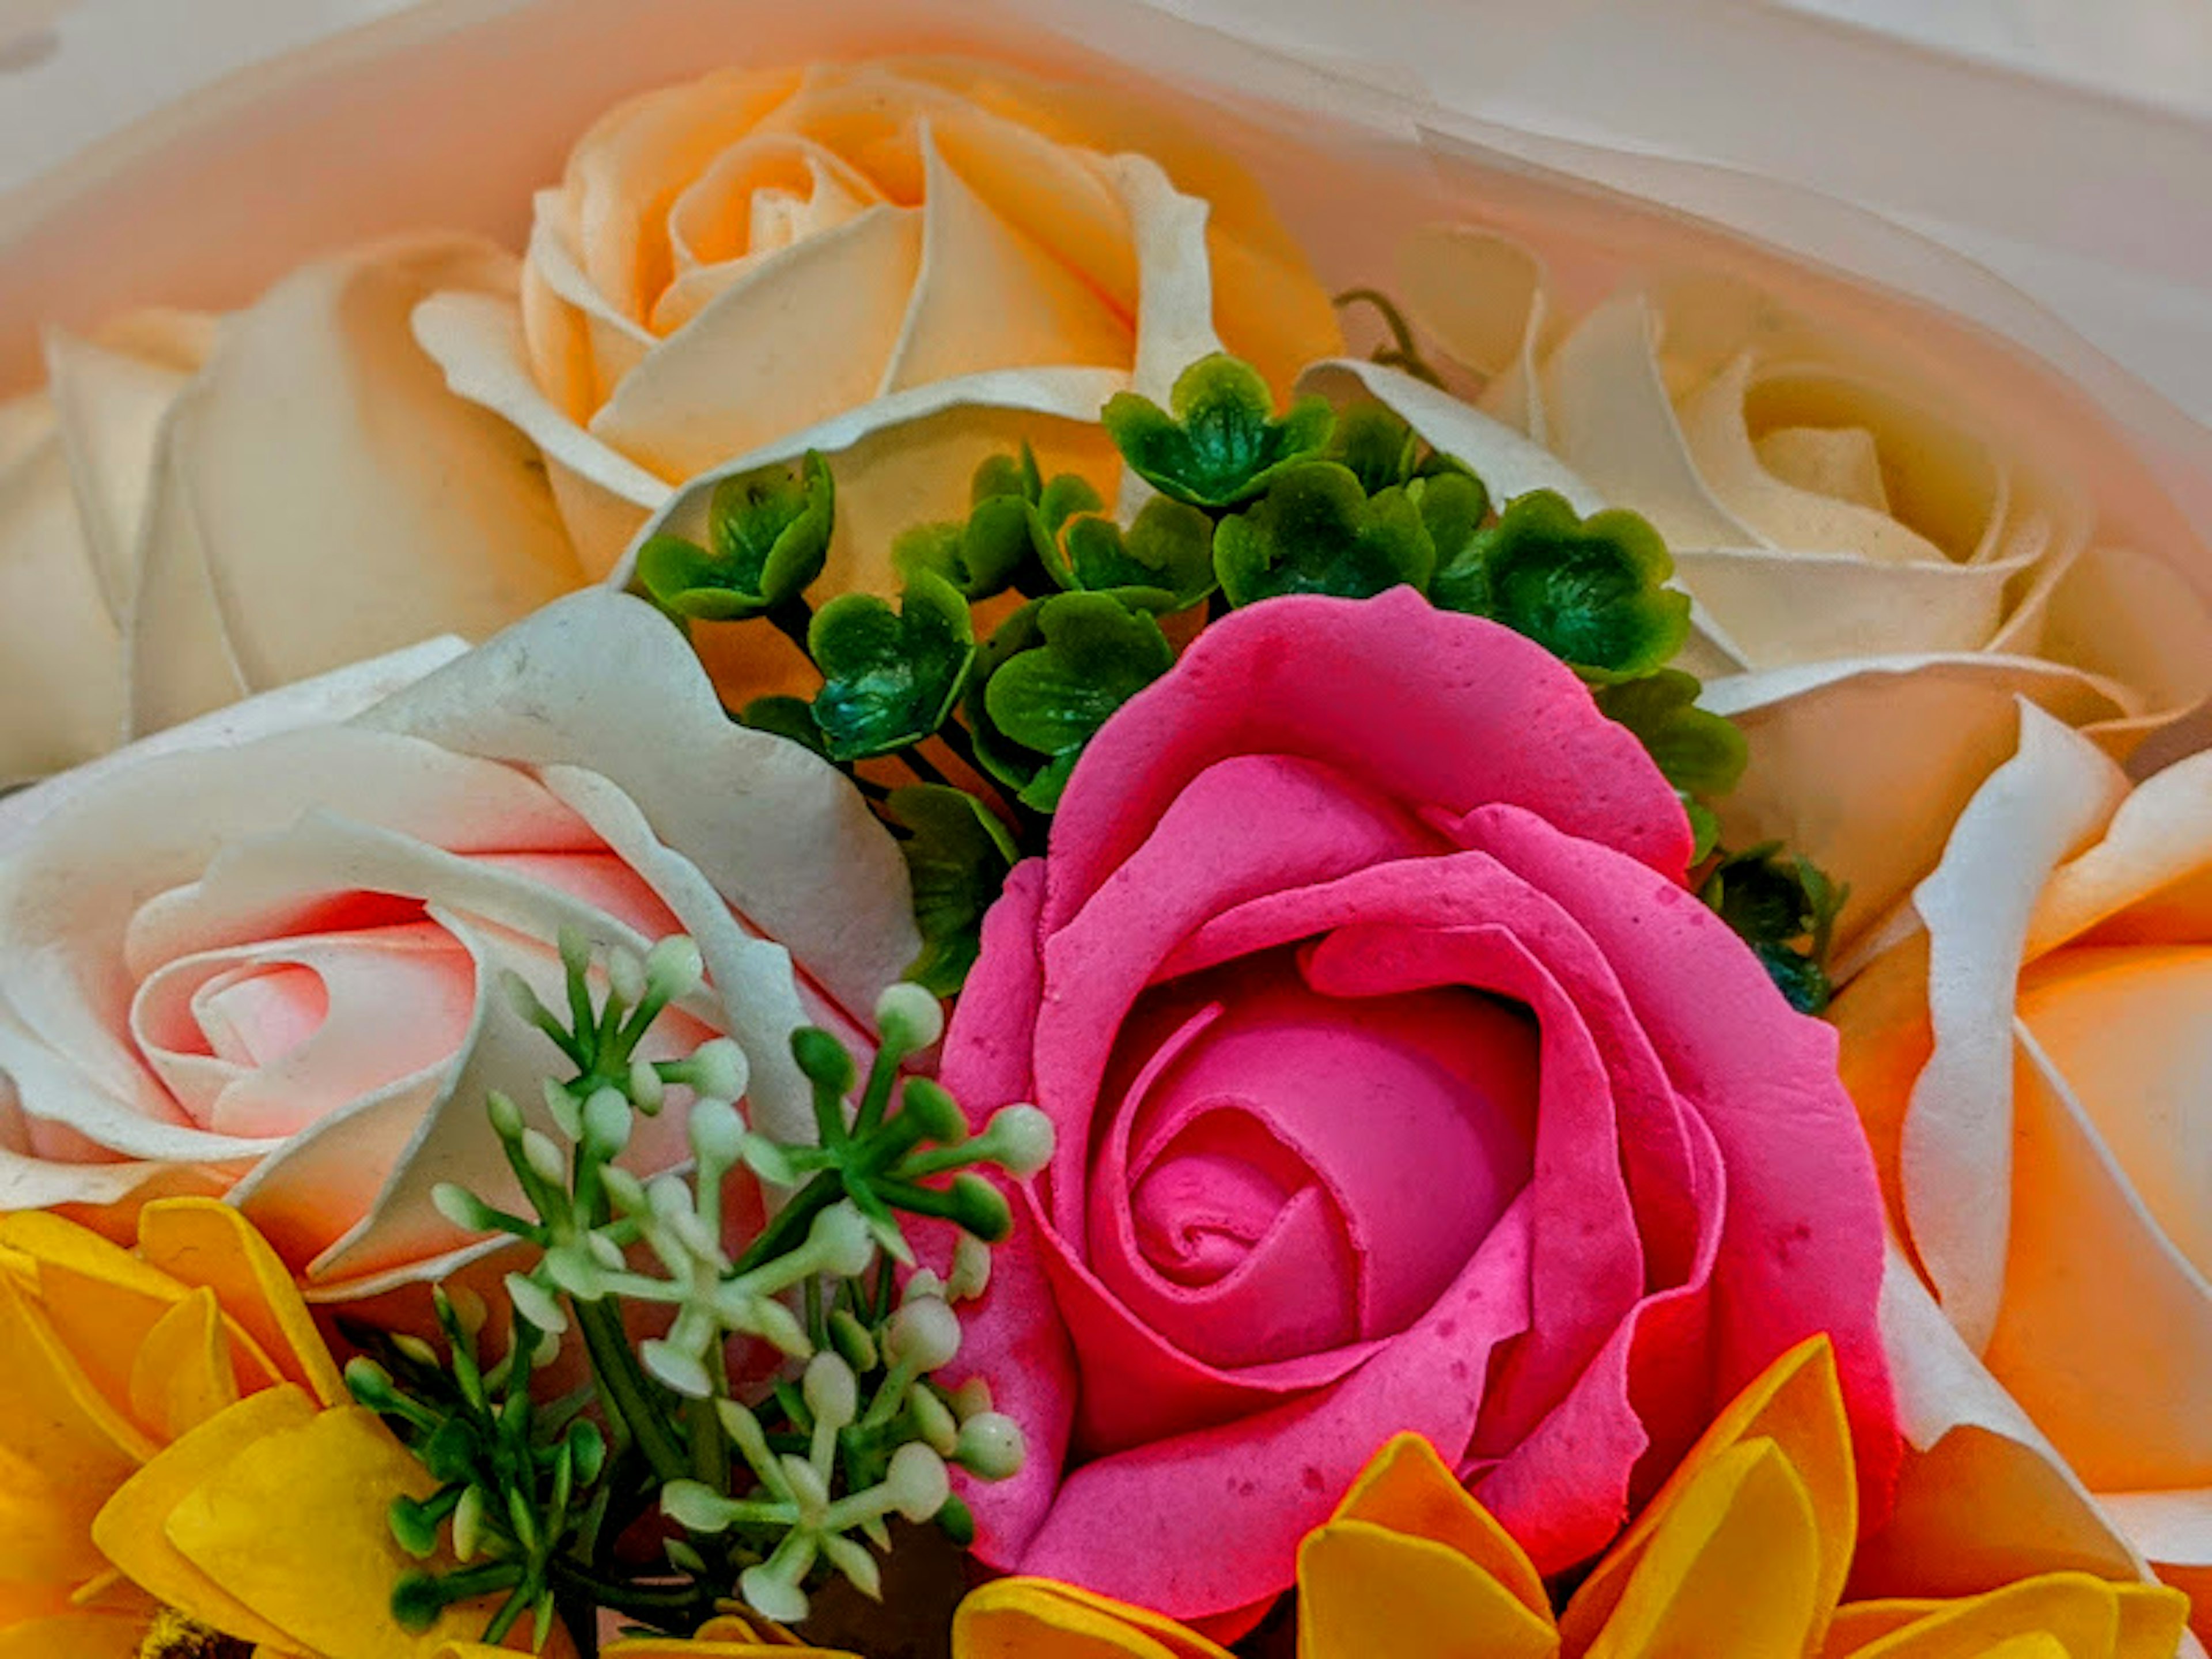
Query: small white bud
[719, 1068]
[468, 1525]
[626, 974]
[847, 1245]
[607, 1122]
[565, 1110]
[923, 1335]
[544, 1156]
[971, 1269]
[626, 1191]
[1022, 1139]
[809, 1491]
[854, 1560]
[469, 1311]
[991, 1446]
[606, 1252]
[458, 1205]
[910, 1016]
[534, 1303]
[506, 1116]
[924, 1283]
[718, 1133]
[935, 1421]
[772, 1597]
[674, 968]
[414, 1348]
[645, 1087]
[520, 997]
[833, 1393]
[694, 1506]
[972, 1396]
[679, 1370]
[917, 1484]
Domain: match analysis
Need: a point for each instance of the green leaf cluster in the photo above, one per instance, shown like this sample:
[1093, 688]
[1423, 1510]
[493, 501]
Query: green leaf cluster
[768, 533]
[1785, 908]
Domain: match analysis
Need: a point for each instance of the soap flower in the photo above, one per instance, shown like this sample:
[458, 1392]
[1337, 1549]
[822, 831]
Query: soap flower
[2031, 1070]
[196, 509]
[1744, 1554]
[1890, 531]
[908, 264]
[177, 1445]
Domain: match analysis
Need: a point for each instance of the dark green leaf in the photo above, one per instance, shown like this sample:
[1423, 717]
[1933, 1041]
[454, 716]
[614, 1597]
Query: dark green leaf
[1785, 910]
[889, 678]
[1699, 752]
[1591, 592]
[999, 755]
[1378, 448]
[1317, 532]
[1095, 653]
[958, 856]
[768, 534]
[787, 717]
[1168, 551]
[1222, 443]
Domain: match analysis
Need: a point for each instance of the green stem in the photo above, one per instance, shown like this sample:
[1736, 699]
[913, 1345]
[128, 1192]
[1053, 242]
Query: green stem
[792, 618]
[678, 1608]
[622, 1385]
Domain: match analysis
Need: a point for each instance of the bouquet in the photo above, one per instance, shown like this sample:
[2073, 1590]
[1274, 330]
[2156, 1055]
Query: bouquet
[993, 854]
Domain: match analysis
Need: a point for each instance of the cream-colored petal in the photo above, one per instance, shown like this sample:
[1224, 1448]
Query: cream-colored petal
[1174, 273]
[110, 404]
[1477, 295]
[1863, 765]
[61, 682]
[2131, 616]
[985, 297]
[2144, 880]
[602, 496]
[1939, 479]
[799, 338]
[322, 496]
[1509, 463]
[1957, 1160]
[611, 343]
[1794, 607]
[1611, 418]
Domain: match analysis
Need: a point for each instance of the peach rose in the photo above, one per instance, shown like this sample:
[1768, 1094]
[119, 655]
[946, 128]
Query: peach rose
[909, 265]
[195, 510]
[271, 968]
[1877, 547]
[2032, 1072]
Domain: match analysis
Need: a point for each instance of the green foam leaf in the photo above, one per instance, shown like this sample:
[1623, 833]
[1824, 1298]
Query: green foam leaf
[1699, 752]
[768, 534]
[1167, 555]
[1590, 590]
[1785, 910]
[957, 854]
[1316, 531]
[1092, 655]
[889, 677]
[1221, 444]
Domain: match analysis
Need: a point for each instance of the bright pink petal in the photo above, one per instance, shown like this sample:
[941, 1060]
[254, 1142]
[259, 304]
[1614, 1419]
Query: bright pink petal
[1427, 706]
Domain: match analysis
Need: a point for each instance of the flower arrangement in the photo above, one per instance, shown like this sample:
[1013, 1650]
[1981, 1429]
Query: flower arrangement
[1107, 951]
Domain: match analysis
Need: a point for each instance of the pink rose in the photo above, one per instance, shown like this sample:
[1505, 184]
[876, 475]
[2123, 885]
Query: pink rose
[1400, 1084]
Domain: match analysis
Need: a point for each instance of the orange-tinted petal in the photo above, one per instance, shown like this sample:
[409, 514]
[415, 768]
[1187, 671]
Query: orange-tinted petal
[2071, 1615]
[183, 1376]
[1039, 1619]
[1734, 1569]
[132, 1529]
[1366, 1592]
[202, 1241]
[100, 1298]
[1795, 1404]
[1407, 1489]
[73, 1635]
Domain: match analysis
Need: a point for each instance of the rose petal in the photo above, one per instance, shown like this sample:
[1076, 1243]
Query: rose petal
[317, 409]
[1448, 711]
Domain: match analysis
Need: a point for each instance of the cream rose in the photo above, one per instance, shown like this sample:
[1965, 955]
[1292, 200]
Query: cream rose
[2032, 1072]
[910, 265]
[1881, 556]
[194, 511]
[270, 968]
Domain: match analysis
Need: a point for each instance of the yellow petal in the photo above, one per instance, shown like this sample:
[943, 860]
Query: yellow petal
[1366, 1592]
[203, 1242]
[1858, 1624]
[52, 1410]
[1407, 1489]
[1733, 1571]
[295, 1527]
[669, 1647]
[2077, 1616]
[102, 1300]
[46, 1550]
[1795, 1403]
[133, 1527]
[1038, 1618]
[73, 1635]
[183, 1376]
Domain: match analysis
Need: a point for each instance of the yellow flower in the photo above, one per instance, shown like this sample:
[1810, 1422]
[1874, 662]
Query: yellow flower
[727, 1637]
[1742, 1555]
[175, 1440]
